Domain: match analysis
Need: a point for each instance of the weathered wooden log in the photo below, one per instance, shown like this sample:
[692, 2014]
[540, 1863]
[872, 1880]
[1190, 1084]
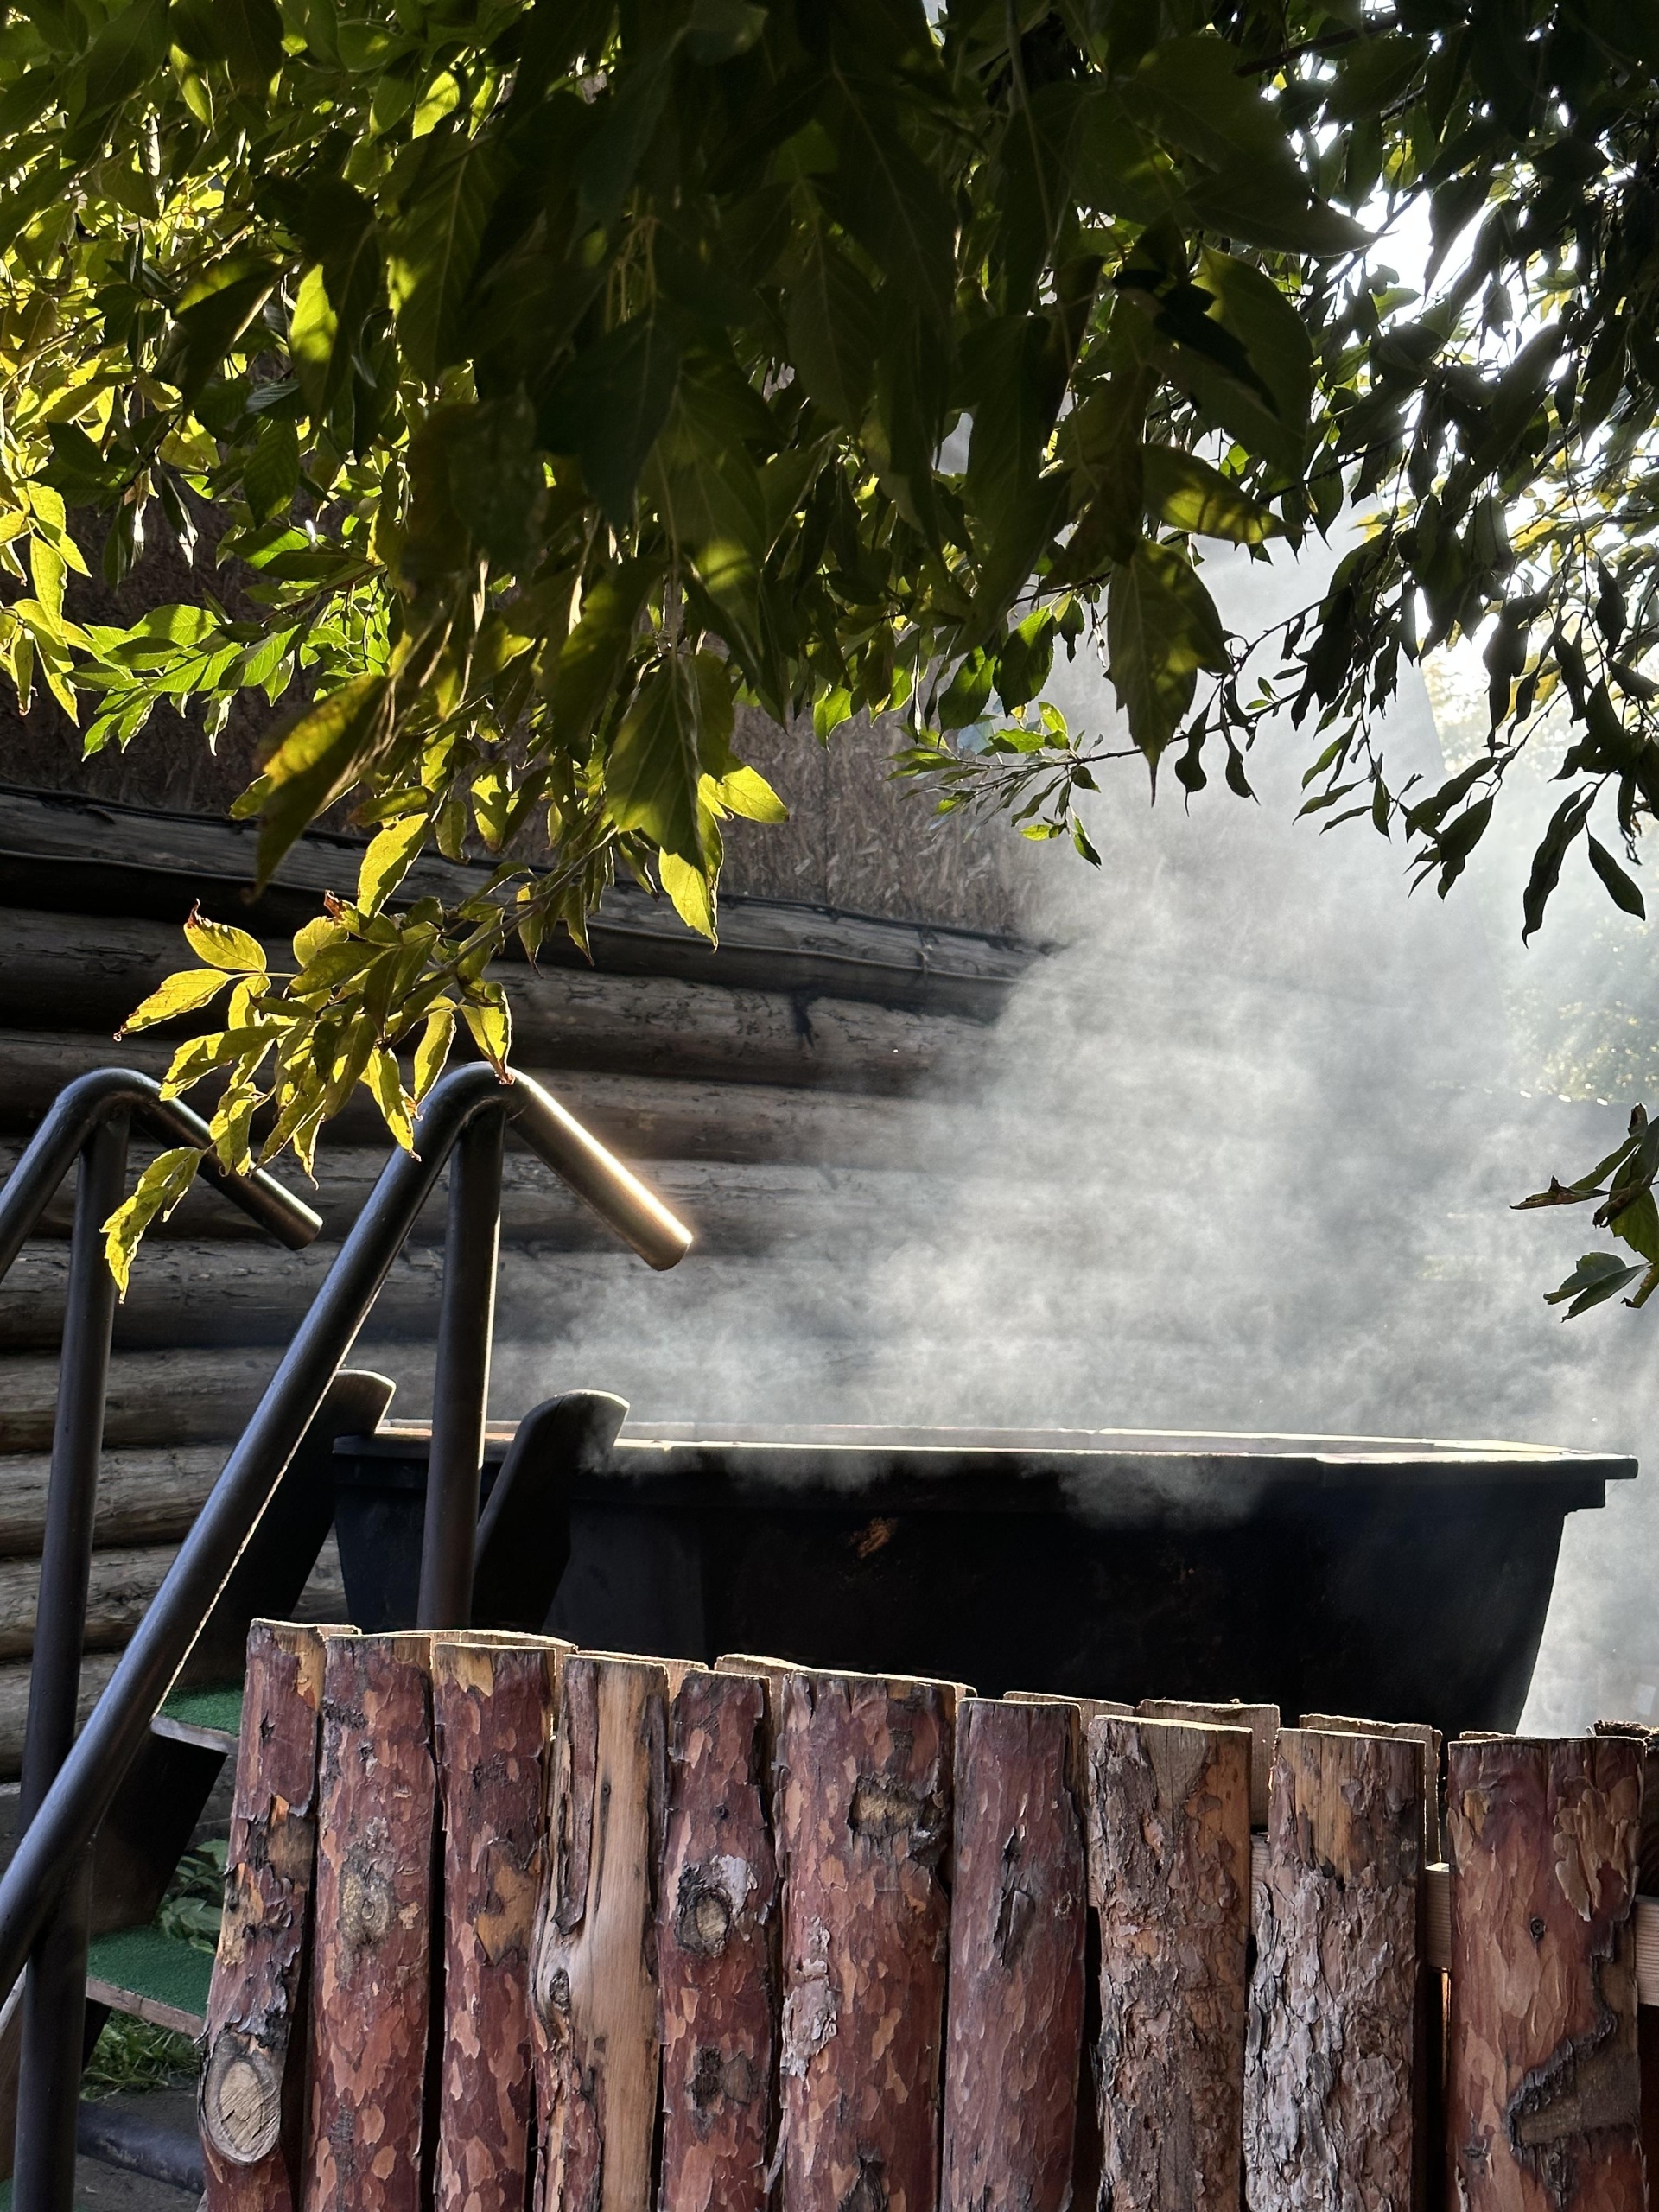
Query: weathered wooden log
[92, 971]
[1168, 1809]
[1647, 1872]
[716, 1949]
[95, 1671]
[250, 2096]
[371, 1981]
[144, 1497]
[1543, 2087]
[1261, 1720]
[155, 1398]
[1019, 1889]
[1333, 2096]
[122, 1584]
[1409, 1732]
[863, 1826]
[1091, 1708]
[593, 1973]
[494, 1708]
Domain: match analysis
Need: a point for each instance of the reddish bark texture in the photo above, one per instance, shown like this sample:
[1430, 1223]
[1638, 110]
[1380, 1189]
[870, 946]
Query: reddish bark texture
[1169, 1876]
[372, 1975]
[251, 2094]
[716, 1943]
[1543, 2091]
[863, 1824]
[493, 1706]
[1018, 1915]
[594, 1978]
[1332, 2088]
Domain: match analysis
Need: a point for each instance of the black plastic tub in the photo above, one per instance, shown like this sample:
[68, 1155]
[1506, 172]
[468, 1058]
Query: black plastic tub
[1397, 1580]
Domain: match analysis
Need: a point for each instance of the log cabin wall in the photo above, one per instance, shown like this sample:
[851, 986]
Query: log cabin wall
[865, 948]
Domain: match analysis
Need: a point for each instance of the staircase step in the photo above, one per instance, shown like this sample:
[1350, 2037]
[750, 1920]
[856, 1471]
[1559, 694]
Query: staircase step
[154, 1977]
[211, 1717]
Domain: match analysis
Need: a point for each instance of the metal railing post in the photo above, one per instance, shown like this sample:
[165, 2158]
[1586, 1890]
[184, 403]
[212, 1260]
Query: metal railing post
[54, 1996]
[461, 1384]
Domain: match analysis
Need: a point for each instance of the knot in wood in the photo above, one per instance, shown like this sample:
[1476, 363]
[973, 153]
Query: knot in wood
[882, 1809]
[720, 2077]
[702, 1915]
[869, 2192]
[366, 1900]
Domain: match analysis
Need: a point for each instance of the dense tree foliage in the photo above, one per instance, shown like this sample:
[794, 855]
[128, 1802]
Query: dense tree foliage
[552, 377]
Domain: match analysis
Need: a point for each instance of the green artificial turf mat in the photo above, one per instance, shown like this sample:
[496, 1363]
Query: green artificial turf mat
[219, 1706]
[152, 1965]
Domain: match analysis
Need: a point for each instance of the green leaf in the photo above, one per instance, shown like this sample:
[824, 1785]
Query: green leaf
[433, 1049]
[223, 945]
[655, 763]
[320, 754]
[490, 1025]
[1623, 891]
[1564, 825]
[1189, 495]
[591, 659]
[633, 107]
[1161, 628]
[215, 312]
[1190, 91]
[892, 203]
[746, 791]
[183, 992]
[609, 407]
[1272, 206]
[1267, 414]
[431, 251]
[161, 1187]
[388, 859]
[394, 1101]
[272, 475]
[1598, 1277]
[132, 43]
[834, 327]
[1117, 169]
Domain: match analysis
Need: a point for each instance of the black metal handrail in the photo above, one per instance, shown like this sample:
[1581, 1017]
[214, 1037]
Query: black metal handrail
[469, 1108]
[91, 1121]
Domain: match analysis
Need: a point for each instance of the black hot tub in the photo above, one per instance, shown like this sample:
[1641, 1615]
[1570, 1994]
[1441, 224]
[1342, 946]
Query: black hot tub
[1402, 1581]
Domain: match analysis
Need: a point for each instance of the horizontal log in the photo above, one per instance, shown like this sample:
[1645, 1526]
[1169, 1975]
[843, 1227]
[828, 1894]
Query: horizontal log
[117, 860]
[94, 969]
[144, 1497]
[643, 1117]
[123, 1580]
[95, 1671]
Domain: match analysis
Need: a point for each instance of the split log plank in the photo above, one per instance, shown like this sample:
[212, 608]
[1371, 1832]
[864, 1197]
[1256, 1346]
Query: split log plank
[1543, 2088]
[863, 1825]
[594, 1981]
[1647, 1874]
[1019, 1909]
[1168, 1811]
[250, 2096]
[493, 1706]
[371, 1982]
[1333, 2084]
[1090, 1707]
[1261, 1720]
[716, 1944]
[1410, 1731]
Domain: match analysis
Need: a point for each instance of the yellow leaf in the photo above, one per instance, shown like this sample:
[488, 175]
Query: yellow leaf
[194, 1058]
[310, 941]
[45, 568]
[434, 1048]
[386, 861]
[384, 1079]
[222, 945]
[181, 994]
[746, 791]
[161, 1187]
[492, 1028]
[692, 893]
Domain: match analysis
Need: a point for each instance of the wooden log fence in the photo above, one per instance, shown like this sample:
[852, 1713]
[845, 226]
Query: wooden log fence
[586, 1932]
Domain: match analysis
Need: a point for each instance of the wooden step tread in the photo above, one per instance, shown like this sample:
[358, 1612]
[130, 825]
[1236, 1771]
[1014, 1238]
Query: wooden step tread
[152, 1976]
[211, 1717]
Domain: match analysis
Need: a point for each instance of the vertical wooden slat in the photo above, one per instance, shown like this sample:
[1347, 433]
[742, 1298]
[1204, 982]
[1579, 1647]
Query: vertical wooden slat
[716, 1949]
[863, 1825]
[493, 1706]
[1410, 1731]
[1261, 1720]
[1333, 2086]
[1090, 1707]
[1018, 1911]
[1543, 2090]
[370, 1985]
[251, 2097]
[594, 1980]
[1168, 1813]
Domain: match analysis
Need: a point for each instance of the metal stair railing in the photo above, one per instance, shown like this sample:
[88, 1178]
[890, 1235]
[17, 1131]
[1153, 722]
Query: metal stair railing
[467, 1113]
[91, 1123]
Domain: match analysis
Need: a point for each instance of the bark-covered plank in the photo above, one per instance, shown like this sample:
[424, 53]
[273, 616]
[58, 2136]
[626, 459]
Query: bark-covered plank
[716, 1949]
[1261, 1720]
[1019, 1891]
[863, 1827]
[1333, 2053]
[1168, 1812]
[1543, 2088]
[494, 1708]
[251, 2097]
[594, 1976]
[1410, 1731]
[371, 1987]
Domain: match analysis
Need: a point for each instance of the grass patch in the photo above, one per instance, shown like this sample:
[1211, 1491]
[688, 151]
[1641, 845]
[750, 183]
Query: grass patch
[130, 2054]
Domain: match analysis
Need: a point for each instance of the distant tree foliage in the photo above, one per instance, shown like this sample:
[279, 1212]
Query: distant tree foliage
[560, 376]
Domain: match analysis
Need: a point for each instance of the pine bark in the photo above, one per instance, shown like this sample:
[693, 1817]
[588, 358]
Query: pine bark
[251, 2098]
[1332, 2085]
[1019, 1909]
[863, 1827]
[371, 1973]
[716, 1948]
[493, 1706]
[1168, 1816]
[594, 1977]
[1543, 2089]
[1409, 1732]
[1261, 1720]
